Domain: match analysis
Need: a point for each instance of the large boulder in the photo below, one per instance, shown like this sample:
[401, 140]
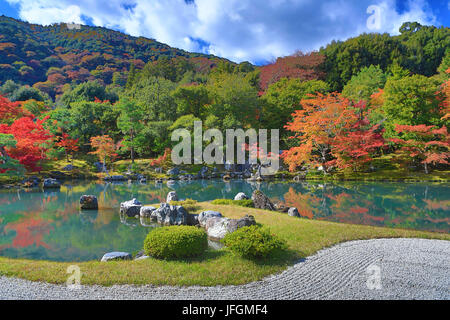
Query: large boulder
[217, 228]
[173, 172]
[170, 215]
[51, 184]
[110, 256]
[192, 220]
[131, 208]
[205, 215]
[261, 201]
[245, 221]
[241, 196]
[293, 212]
[146, 211]
[88, 202]
[172, 196]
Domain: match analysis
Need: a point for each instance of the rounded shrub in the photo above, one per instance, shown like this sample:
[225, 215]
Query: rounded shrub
[254, 242]
[175, 242]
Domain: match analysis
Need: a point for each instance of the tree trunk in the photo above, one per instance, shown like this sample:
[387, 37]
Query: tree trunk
[426, 168]
[132, 148]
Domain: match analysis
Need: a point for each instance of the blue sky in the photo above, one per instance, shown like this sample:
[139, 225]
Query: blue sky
[252, 30]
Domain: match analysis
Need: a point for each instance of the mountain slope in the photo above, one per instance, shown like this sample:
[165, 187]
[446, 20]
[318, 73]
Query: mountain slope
[51, 56]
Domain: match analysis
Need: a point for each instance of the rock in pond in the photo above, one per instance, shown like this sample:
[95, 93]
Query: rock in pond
[293, 212]
[170, 215]
[261, 201]
[146, 211]
[51, 184]
[172, 196]
[88, 202]
[173, 172]
[131, 208]
[241, 196]
[111, 256]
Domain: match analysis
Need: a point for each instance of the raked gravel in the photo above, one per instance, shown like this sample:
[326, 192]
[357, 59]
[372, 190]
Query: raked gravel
[409, 269]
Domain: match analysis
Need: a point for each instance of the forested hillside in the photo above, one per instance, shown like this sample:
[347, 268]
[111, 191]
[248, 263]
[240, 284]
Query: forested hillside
[97, 92]
[50, 57]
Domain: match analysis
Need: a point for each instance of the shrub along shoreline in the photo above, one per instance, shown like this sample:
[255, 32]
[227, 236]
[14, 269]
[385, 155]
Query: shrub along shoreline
[303, 237]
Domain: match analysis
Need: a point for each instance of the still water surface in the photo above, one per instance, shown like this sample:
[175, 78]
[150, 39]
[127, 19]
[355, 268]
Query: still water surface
[49, 225]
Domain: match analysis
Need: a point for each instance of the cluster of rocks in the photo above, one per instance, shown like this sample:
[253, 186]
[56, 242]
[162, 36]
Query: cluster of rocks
[217, 226]
[51, 183]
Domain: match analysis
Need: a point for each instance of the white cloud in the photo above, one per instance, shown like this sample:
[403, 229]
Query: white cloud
[236, 29]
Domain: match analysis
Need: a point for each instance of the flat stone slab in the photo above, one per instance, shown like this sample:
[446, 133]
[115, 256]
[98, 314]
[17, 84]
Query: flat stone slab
[110, 256]
[409, 269]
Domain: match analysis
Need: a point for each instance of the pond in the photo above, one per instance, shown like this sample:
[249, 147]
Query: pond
[48, 225]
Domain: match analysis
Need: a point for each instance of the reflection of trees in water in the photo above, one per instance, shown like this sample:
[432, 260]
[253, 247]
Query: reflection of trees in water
[48, 225]
[394, 205]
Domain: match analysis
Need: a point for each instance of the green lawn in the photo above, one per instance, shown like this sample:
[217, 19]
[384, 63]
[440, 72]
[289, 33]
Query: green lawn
[304, 238]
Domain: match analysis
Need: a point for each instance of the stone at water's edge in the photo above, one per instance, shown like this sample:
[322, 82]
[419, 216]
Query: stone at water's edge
[146, 211]
[241, 196]
[51, 183]
[173, 172]
[170, 215]
[110, 256]
[116, 178]
[293, 212]
[131, 208]
[261, 201]
[172, 196]
[88, 202]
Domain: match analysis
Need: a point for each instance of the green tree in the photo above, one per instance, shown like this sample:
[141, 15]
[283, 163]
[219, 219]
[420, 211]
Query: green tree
[192, 100]
[362, 85]
[130, 123]
[88, 91]
[410, 101]
[234, 101]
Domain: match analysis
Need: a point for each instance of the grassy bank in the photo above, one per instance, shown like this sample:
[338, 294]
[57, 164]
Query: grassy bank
[304, 238]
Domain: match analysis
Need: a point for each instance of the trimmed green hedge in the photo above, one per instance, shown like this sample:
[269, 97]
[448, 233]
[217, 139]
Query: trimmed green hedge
[254, 242]
[175, 242]
[242, 203]
[190, 205]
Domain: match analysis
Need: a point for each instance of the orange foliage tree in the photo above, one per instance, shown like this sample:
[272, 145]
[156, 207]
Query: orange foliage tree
[105, 148]
[322, 119]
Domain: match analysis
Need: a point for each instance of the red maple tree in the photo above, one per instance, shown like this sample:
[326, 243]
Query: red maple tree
[427, 144]
[32, 141]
